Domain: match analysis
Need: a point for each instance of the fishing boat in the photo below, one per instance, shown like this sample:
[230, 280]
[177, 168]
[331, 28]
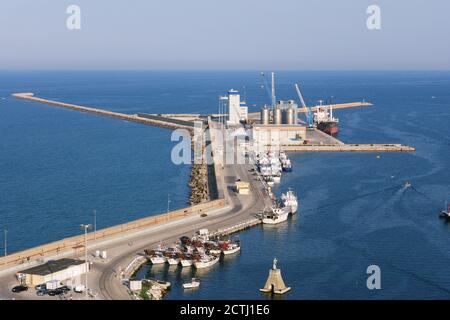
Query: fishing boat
[194, 283]
[290, 201]
[228, 247]
[186, 260]
[276, 215]
[286, 165]
[205, 261]
[155, 256]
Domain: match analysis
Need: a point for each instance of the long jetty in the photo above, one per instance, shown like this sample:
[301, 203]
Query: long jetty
[159, 121]
[348, 148]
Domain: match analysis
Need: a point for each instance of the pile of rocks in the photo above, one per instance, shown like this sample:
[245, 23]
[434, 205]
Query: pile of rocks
[199, 184]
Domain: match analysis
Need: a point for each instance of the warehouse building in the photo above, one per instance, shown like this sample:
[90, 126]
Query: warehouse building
[62, 269]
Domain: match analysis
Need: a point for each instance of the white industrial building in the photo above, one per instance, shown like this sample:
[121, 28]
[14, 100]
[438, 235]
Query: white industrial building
[278, 135]
[61, 270]
[237, 110]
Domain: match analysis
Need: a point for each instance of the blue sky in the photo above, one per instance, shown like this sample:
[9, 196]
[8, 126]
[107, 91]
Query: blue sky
[219, 34]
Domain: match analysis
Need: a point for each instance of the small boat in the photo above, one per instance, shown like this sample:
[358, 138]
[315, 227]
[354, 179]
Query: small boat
[155, 256]
[286, 165]
[445, 213]
[228, 247]
[277, 178]
[290, 201]
[186, 261]
[206, 261]
[194, 283]
[277, 215]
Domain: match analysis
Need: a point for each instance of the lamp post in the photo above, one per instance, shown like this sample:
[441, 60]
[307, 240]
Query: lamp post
[95, 225]
[168, 203]
[6, 235]
[86, 227]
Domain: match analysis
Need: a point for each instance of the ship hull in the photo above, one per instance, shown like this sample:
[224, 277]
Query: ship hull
[330, 128]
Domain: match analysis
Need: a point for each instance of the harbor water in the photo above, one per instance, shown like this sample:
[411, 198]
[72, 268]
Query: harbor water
[57, 166]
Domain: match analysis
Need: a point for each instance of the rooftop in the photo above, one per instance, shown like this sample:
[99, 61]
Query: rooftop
[52, 266]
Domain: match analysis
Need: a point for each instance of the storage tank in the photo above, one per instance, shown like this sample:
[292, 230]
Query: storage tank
[265, 115]
[277, 115]
[290, 116]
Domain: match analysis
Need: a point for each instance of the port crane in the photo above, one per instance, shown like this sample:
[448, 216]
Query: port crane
[308, 113]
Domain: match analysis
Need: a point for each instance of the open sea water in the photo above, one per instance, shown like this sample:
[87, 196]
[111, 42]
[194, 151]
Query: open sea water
[57, 166]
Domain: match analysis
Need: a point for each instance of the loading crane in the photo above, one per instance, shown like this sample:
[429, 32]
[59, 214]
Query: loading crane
[308, 113]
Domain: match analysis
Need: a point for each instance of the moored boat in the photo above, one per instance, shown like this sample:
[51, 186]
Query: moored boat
[276, 215]
[205, 261]
[290, 201]
[155, 257]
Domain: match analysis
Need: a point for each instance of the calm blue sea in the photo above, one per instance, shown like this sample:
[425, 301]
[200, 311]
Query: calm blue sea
[57, 166]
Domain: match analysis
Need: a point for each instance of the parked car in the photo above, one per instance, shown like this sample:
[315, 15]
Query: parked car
[79, 288]
[40, 287]
[19, 288]
[55, 292]
[42, 292]
[64, 288]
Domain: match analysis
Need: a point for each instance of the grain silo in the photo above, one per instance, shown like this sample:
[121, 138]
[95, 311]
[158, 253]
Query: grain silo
[265, 115]
[277, 115]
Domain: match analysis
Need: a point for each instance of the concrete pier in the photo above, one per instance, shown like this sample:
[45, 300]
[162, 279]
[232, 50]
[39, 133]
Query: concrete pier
[348, 148]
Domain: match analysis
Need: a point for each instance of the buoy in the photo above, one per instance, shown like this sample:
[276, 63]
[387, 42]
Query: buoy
[275, 283]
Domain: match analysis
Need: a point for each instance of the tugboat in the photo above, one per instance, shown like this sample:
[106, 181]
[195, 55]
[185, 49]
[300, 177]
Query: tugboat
[290, 201]
[445, 213]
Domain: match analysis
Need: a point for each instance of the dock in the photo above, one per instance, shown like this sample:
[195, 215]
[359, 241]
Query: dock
[236, 228]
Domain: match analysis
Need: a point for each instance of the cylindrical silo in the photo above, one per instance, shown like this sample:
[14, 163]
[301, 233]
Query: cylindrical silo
[277, 115]
[290, 112]
[265, 115]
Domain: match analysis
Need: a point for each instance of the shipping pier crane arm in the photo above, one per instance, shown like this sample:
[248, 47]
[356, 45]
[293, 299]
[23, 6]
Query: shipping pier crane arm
[305, 109]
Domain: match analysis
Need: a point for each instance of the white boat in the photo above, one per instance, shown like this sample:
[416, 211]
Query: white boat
[206, 261]
[155, 256]
[232, 248]
[173, 261]
[195, 283]
[187, 262]
[157, 259]
[277, 215]
[277, 178]
[290, 201]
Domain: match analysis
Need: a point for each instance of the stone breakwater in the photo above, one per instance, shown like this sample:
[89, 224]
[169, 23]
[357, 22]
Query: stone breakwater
[199, 184]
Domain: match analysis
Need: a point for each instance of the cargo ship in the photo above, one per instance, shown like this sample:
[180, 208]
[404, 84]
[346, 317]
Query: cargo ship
[324, 120]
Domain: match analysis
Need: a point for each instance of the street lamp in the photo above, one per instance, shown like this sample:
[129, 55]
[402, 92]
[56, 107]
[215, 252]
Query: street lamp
[86, 227]
[95, 225]
[6, 235]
